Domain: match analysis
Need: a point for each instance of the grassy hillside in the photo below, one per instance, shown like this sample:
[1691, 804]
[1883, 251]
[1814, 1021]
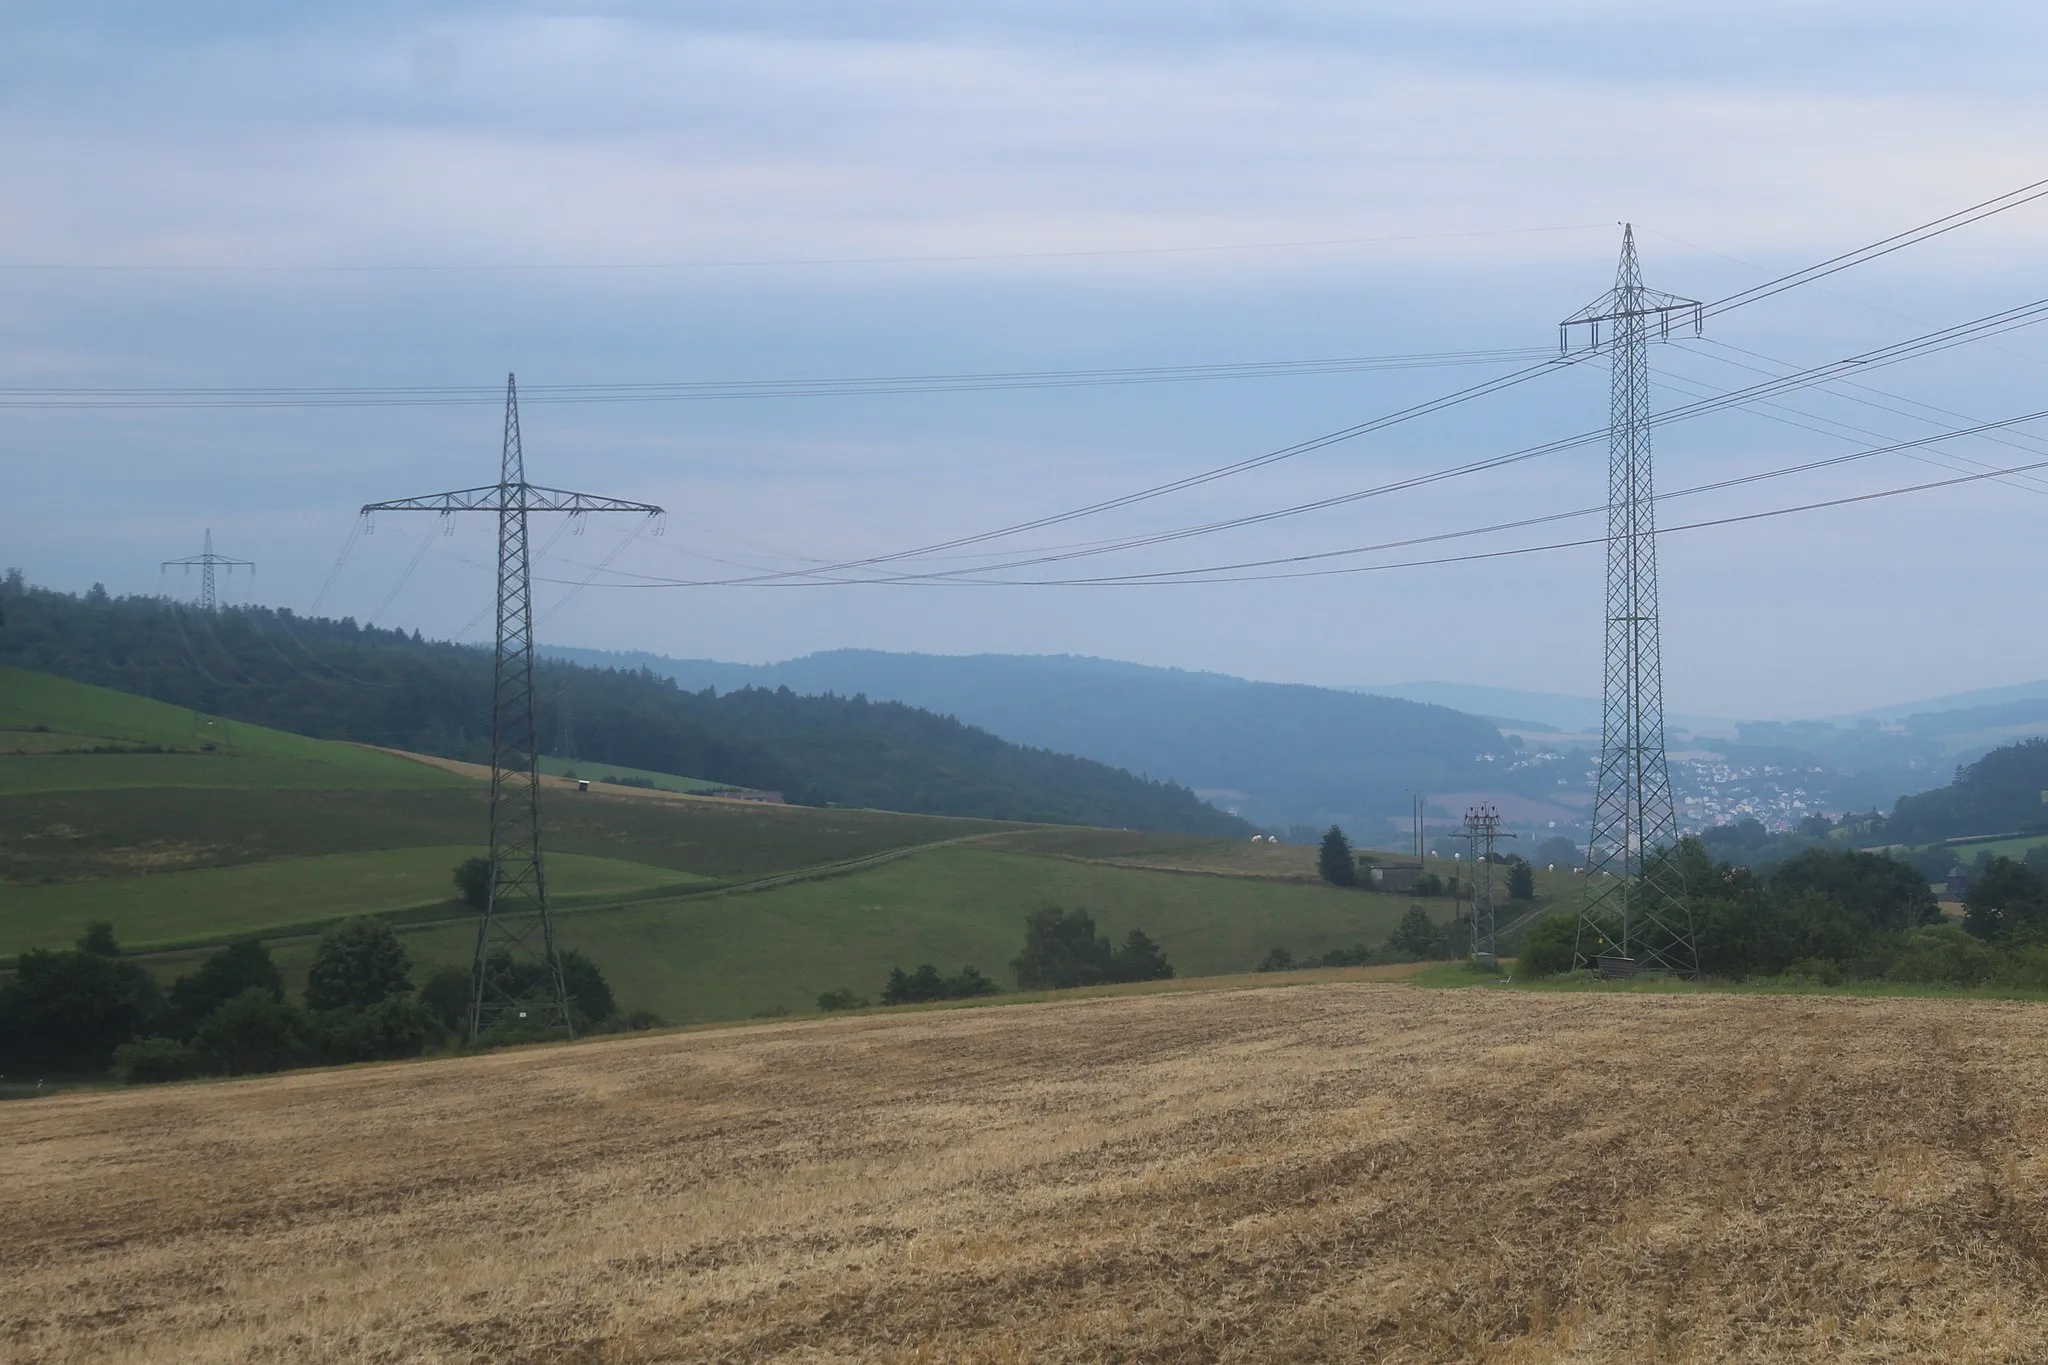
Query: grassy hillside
[59, 735]
[287, 894]
[696, 908]
[735, 954]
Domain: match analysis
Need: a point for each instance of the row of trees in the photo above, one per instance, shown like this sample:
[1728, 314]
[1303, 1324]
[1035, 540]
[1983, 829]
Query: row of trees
[88, 1009]
[1839, 915]
[1416, 938]
[1061, 950]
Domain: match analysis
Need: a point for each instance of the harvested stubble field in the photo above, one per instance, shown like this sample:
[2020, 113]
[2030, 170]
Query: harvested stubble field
[1339, 1171]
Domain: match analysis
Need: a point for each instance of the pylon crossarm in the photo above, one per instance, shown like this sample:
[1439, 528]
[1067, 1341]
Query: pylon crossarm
[521, 498]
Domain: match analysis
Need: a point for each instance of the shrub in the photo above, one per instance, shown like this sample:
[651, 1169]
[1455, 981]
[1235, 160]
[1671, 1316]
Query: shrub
[2023, 969]
[641, 1020]
[446, 996]
[398, 1026]
[590, 995]
[473, 882]
[925, 984]
[1548, 948]
[1062, 950]
[2004, 898]
[1416, 936]
[357, 965]
[223, 976]
[68, 1011]
[1521, 882]
[841, 999]
[968, 982]
[1279, 960]
[251, 1034]
[151, 1060]
[1139, 959]
[1942, 954]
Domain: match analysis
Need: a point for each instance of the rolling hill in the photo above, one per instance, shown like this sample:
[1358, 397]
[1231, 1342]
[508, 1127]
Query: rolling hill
[187, 836]
[335, 680]
[1280, 754]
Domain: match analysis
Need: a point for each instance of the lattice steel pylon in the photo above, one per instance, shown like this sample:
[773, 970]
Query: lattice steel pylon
[1634, 915]
[517, 974]
[206, 562]
[1481, 829]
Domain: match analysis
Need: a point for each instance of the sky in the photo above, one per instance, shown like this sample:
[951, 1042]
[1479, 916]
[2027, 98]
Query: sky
[377, 197]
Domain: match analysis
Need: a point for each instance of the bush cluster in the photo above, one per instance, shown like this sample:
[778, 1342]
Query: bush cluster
[1062, 950]
[1417, 938]
[925, 984]
[90, 1010]
[1831, 916]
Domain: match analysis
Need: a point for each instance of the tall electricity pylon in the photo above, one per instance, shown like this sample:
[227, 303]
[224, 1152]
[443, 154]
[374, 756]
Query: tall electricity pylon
[1481, 828]
[206, 562]
[517, 920]
[1634, 914]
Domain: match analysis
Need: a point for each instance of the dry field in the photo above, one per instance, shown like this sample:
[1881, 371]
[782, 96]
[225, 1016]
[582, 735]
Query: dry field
[1347, 1171]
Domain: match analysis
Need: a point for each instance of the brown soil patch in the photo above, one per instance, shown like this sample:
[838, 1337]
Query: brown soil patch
[1332, 1172]
[482, 773]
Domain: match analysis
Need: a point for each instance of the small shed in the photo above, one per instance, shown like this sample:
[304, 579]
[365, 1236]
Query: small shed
[1958, 882]
[1396, 879]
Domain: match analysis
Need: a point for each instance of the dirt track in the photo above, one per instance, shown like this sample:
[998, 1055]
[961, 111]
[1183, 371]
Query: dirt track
[1317, 1173]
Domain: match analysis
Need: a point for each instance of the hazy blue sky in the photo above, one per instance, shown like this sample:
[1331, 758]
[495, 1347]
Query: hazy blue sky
[408, 194]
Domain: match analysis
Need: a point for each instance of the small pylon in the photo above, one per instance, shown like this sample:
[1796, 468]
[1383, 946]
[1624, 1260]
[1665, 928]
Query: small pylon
[206, 561]
[1481, 828]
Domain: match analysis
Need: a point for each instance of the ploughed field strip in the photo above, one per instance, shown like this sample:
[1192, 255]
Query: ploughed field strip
[1344, 1171]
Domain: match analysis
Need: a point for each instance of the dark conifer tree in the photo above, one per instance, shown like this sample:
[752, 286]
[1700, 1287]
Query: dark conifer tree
[1334, 862]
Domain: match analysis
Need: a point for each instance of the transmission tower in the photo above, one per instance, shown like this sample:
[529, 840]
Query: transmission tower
[1481, 828]
[517, 923]
[206, 562]
[565, 726]
[1634, 915]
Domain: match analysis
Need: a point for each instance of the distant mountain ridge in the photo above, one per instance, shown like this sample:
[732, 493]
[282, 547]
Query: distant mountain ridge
[1279, 753]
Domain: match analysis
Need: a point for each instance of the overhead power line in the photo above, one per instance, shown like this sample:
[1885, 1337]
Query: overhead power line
[1205, 573]
[484, 267]
[1884, 246]
[463, 395]
[1941, 339]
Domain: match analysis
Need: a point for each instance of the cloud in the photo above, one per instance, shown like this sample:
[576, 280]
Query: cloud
[618, 135]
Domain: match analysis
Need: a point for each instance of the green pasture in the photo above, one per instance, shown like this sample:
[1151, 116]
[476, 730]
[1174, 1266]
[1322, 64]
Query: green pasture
[734, 954]
[254, 898]
[77, 835]
[40, 714]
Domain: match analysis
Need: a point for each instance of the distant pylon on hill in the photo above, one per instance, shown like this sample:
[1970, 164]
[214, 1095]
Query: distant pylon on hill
[1481, 829]
[517, 974]
[206, 561]
[1634, 914]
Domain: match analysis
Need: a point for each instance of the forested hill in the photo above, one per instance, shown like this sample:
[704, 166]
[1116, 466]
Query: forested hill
[2006, 791]
[337, 680]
